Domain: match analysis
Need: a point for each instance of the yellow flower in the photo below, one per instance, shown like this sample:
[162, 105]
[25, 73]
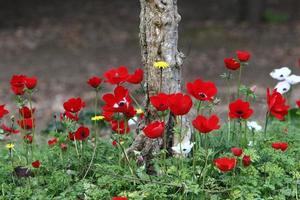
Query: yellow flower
[139, 111]
[161, 64]
[10, 146]
[97, 118]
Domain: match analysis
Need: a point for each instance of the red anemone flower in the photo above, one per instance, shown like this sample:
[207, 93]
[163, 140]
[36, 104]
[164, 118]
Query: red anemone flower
[120, 127]
[108, 116]
[154, 130]
[276, 105]
[179, 103]
[17, 84]
[116, 76]
[3, 111]
[28, 139]
[30, 82]
[237, 151]
[114, 143]
[36, 164]
[52, 141]
[71, 136]
[119, 198]
[160, 101]
[74, 105]
[26, 123]
[136, 77]
[201, 90]
[225, 164]
[298, 103]
[82, 133]
[246, 160]
[70, 116]
[206, 124]
[231, 64]
[118, 102]
[243, 56]
[130, 112]
[94, 81]
[10, 130]
[26, 112]
[240, 109]
[280, 146]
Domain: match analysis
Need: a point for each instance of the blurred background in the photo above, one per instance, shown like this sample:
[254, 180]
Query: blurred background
[65, 42]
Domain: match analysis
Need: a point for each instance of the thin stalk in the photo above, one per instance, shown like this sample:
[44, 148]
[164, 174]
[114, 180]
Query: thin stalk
[76, 148]
[135, 101]
[161, 80]
[95, 136]
[266, 123]
[240, 131]
[180, 135]
[239, 81]
[245, 134]
[228, 130]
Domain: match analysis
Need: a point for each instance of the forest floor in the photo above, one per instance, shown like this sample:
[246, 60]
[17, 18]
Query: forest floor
[63, 50]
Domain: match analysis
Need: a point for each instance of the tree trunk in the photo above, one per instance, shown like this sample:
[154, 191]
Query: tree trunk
[159, 21]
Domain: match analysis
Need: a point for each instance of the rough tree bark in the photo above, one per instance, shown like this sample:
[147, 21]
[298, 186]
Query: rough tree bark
[159, 21]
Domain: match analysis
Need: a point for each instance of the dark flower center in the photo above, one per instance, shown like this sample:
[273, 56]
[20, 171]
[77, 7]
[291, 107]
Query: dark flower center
[202, 95]
[239, 112]
[82, 134]
[122, 103]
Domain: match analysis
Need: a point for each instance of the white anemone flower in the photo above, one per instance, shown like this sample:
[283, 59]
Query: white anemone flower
[183, 148]
[286, 79]
[253, 125]
[293, 79]
[283, 87]
[132, 121]
[280, 74]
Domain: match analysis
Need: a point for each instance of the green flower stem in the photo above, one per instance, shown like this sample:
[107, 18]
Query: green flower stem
[239, 80]
[206, 159]
[76, 149]
[228, 87]
[135, 101]
[161, 80]
[240, 132]
[245, 133]
[95, 136]
[266, 123]
[228, 130]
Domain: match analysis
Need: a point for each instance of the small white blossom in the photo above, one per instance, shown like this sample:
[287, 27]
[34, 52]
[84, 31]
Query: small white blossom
[183, 148]
[253, 125]
[132, 121]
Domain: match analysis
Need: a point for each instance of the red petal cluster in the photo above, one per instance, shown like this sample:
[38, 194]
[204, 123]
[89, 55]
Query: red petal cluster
[240, 109]
[3, 111]
[276, 104]
[179, 103]
[201, 90]
[225, 164]
[237, 151]
[94, 81]
[74, 105]
[36, 164]
[18, 83]
[206, 124]
[154, 130]
[280, 146]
